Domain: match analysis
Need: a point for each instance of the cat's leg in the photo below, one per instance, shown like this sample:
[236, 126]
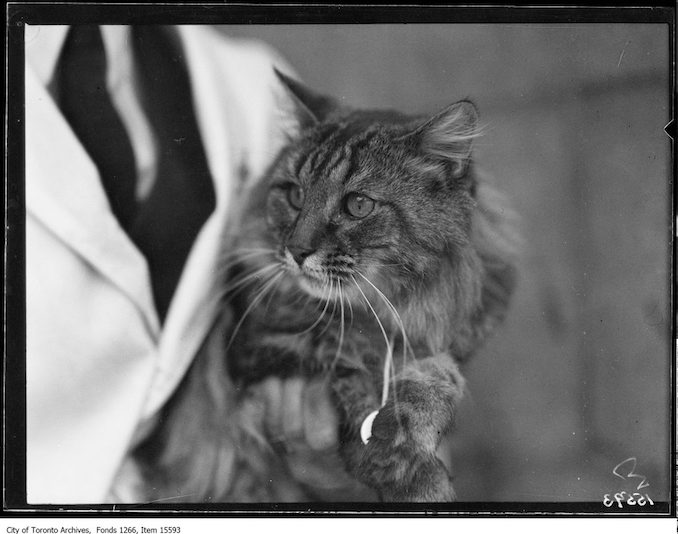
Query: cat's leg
[400, 459]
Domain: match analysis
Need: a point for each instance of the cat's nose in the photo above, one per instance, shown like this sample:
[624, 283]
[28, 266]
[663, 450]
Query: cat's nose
[299, 253]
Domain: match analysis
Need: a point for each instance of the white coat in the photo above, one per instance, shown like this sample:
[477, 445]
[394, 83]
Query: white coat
[98, 364]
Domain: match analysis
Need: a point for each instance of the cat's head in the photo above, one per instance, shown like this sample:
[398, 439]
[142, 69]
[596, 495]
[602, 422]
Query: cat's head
[370, 195]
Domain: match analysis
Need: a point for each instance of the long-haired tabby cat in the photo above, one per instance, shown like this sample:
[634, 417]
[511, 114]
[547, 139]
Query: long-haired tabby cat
[373, 254]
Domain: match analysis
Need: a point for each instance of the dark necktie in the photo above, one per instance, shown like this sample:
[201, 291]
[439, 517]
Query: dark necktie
[80, 91]
[165, 224]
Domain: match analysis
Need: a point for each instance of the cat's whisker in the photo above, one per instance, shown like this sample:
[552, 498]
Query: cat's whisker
[394, 311]
[245, 276]
[239, 267]
[301, 295]
[258, 297]
[350, 307]
[392, 264]
[239, 251]
[256, 249]
[268, 301]
[245, 252]
[322, 314]
[319, 302]
[341, 326]
[303, 300]
[401, 266]
[237, 256]
[389, 349]
[309, 298]
[334, 307]
[241, 282]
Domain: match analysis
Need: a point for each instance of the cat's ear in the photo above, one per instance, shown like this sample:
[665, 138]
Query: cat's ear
[449, 135]
[309, 106]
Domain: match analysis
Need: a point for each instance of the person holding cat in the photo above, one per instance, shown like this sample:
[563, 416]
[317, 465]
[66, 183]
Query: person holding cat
[138, 144]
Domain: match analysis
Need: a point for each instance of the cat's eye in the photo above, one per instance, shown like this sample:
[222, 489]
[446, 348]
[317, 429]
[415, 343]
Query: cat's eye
[295, 196]
[358, 205]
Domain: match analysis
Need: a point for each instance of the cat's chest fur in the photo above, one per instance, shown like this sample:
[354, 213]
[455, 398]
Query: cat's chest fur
[289, 333]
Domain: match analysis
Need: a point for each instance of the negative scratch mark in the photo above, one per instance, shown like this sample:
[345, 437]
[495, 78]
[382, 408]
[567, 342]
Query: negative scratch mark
[171, 498]
[621, 56]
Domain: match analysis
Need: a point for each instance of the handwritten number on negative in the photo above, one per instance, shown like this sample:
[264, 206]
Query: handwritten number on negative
[631, 474]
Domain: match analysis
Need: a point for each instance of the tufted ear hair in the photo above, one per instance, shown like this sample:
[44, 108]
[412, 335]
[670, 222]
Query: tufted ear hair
[449, 135]
[309, 107]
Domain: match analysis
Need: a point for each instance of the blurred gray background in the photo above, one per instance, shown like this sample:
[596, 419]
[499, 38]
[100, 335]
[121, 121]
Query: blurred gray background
[578, 379]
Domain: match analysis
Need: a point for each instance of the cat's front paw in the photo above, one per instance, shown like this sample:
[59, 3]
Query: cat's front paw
[431, 482]
[404, 472]
[398, 459]
[417, 413]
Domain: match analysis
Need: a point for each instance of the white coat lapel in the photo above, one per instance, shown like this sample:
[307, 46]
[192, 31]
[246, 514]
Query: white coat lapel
[234, 108]
[194, 305]
[63, 191]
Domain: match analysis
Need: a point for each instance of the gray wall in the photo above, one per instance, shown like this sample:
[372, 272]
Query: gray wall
[578, 379]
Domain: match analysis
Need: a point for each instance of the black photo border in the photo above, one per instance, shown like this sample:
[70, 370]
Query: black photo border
[14, 309]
